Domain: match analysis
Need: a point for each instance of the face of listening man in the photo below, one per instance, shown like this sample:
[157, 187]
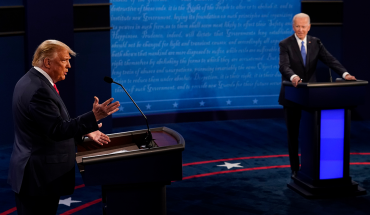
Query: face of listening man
[301, 26]
[59, 65]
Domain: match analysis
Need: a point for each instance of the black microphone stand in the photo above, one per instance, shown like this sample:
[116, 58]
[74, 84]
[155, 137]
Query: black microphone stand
[149, 138]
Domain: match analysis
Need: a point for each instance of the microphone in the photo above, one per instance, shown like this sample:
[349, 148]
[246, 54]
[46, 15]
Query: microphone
[107, 79]
[330, 77]
[149, 138]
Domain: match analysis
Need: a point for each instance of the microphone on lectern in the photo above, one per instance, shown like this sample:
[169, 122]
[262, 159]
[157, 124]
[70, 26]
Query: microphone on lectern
[321, 45]
[149, 137]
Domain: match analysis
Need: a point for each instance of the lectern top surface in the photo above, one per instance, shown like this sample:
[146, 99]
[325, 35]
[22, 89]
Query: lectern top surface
[129, 144]
[328, 84]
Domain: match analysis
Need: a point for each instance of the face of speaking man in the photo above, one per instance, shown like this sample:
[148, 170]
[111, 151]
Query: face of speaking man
[59, 65]
[301, 26]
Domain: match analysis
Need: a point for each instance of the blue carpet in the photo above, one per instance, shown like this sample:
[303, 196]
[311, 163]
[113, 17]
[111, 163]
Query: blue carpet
[251, 191]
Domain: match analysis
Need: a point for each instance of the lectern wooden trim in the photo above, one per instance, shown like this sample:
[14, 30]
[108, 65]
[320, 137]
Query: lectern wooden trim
[325, 137]
[133, 178]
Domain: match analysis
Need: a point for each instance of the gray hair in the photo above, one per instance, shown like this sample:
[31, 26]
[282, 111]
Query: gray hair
[302, 15]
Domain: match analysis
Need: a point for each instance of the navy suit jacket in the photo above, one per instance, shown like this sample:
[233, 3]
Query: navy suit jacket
[45, 138]
[291, 62]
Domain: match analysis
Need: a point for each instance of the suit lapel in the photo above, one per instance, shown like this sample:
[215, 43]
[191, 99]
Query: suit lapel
[42, 77]
[309, 47]
[296, 48]
[61, 101]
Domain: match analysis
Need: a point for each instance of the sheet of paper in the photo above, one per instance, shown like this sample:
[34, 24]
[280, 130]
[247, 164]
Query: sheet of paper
[117, 152]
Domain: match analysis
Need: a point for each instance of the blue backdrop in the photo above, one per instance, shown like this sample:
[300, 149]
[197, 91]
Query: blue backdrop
[176, 56]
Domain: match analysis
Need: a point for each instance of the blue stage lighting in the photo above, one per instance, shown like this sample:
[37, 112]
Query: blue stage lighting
[331, 144]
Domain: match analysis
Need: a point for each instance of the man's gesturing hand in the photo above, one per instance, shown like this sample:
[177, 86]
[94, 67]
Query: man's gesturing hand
[98, 136]
[105, 109]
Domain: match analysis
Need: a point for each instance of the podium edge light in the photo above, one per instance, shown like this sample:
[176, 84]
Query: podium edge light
[332, 126]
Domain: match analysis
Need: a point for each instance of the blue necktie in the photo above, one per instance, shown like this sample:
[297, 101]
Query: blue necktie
[303, 53]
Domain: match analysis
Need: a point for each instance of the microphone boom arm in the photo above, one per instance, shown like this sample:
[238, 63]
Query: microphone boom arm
[147, 125]
[149, 137]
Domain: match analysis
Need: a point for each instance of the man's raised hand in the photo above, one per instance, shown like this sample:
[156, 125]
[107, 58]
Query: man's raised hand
[105, 109]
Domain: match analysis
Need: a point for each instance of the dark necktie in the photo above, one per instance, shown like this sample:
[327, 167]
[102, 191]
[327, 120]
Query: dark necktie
[56, 89]
[303, 53]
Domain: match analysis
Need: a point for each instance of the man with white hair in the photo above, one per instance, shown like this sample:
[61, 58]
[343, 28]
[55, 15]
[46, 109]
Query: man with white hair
[299, 54]
[43, 158]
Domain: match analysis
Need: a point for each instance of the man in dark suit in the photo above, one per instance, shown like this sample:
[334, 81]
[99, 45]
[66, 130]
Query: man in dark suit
[299, 55]
[43, 158]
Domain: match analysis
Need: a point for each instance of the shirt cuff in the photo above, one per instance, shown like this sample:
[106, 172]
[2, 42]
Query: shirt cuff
[344, 75]
[291, 77]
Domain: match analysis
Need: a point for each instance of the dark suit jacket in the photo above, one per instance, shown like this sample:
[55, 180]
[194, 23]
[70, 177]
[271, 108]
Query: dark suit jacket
[43, 156]
[291, 62]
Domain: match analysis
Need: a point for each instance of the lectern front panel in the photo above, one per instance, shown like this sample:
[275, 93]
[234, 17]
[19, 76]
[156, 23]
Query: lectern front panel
[125, 161]
[130, 173]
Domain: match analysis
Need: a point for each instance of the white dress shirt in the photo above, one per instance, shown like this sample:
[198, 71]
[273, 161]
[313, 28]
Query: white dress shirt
[299, 41]
[45, 74]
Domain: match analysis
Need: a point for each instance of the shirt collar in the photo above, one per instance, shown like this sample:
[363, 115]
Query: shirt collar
[300, 41]
[45, 74]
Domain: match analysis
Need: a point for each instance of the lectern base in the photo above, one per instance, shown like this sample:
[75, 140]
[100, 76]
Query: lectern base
[313, 192]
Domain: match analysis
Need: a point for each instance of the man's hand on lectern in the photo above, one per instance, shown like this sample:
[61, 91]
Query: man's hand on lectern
[350, 78]
[297, 80]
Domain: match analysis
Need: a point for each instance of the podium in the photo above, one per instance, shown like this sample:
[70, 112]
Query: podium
[325, 137]
[133, 178]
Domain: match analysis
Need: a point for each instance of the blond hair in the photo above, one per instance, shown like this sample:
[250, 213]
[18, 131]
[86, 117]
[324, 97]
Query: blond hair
[48, 49]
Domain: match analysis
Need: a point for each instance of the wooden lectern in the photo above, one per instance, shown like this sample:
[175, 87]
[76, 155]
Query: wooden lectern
[325, 137]
[133, 178]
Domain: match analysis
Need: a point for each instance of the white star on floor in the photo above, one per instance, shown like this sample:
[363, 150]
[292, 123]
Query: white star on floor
[67, 202]
[148, 106]
[255, 101]
[201, 103]
[230, 165]
[228, 102]
[175, 105]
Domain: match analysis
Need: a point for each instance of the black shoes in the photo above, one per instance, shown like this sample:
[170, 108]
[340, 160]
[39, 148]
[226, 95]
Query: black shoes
[294, 173]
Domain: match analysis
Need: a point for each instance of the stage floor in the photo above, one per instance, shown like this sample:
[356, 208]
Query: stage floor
[229, 167]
